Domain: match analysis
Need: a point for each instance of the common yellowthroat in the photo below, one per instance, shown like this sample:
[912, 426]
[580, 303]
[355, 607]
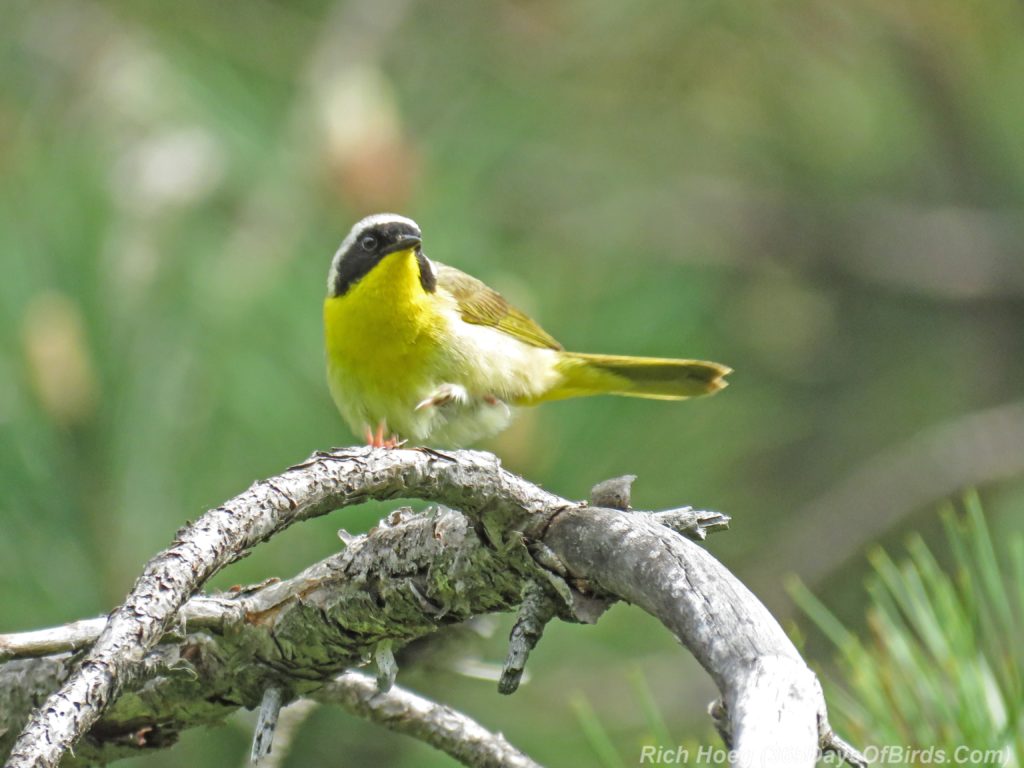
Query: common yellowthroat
[420, 350]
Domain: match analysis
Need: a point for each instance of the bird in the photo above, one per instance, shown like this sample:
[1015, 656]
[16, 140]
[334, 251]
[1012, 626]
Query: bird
[418, 350]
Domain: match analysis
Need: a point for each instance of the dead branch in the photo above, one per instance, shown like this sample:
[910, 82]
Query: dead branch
[440, 726]
[411, 575]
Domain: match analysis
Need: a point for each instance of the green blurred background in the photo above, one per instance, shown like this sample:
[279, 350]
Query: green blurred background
[825, 196]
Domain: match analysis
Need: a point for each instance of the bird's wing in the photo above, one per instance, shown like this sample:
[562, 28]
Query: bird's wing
[481, 305]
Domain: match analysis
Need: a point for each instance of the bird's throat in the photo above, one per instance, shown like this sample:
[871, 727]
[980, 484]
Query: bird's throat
[382, 321]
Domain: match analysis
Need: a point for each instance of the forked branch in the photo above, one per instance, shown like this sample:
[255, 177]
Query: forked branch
[413, 574]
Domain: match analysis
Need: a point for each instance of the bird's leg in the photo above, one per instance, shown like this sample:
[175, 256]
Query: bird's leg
[444, 395]
[376, 439]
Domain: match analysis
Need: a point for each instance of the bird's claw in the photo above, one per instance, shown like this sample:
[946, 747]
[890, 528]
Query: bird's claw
[444, 395]
[376, 439]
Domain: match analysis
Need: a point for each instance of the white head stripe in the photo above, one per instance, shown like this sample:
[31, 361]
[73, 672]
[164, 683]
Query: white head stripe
[364, 223]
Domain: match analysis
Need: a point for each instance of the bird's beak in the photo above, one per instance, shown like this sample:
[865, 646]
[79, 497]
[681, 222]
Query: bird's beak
[404, 243]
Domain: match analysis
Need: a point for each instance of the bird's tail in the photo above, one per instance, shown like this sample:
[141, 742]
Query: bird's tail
[651, 377]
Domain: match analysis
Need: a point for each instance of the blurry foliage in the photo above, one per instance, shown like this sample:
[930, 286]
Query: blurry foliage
[825, 196]
[655, 733]
[943, 666]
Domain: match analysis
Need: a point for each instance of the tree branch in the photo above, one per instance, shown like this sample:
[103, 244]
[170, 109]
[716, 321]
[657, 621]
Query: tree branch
[289, 722]
[409, 576]
[325, 482]
[435, 724]
[266, 723]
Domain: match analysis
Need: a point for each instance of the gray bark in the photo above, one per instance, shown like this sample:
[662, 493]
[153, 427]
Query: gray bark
[438, 725]
[411, 575]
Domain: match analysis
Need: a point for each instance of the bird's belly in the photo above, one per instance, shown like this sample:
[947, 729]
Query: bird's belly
[497, 372]
[381, 366]
[496, 364]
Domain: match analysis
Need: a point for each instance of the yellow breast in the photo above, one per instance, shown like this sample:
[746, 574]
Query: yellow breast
[382, 340]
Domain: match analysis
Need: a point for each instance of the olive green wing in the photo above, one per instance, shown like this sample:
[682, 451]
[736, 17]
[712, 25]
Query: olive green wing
[480, 305]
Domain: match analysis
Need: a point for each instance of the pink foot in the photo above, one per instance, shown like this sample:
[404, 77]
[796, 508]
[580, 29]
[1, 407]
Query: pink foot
[376, 438]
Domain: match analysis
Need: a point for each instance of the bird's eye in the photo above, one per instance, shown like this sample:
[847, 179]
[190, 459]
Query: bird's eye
[369, 243]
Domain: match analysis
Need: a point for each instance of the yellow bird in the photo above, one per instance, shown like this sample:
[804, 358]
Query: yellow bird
[422, 351]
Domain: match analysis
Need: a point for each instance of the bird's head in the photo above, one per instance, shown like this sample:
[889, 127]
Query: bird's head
[368, 243]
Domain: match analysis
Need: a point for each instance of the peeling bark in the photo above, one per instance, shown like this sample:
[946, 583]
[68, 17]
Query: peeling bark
[159, 666]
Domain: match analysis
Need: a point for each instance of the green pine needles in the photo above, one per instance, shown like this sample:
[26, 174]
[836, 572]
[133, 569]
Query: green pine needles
[938, 679]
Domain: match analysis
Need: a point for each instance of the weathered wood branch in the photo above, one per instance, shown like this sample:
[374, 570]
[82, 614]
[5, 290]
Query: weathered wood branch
[413, 574]
[410, 576]
[440, 726]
